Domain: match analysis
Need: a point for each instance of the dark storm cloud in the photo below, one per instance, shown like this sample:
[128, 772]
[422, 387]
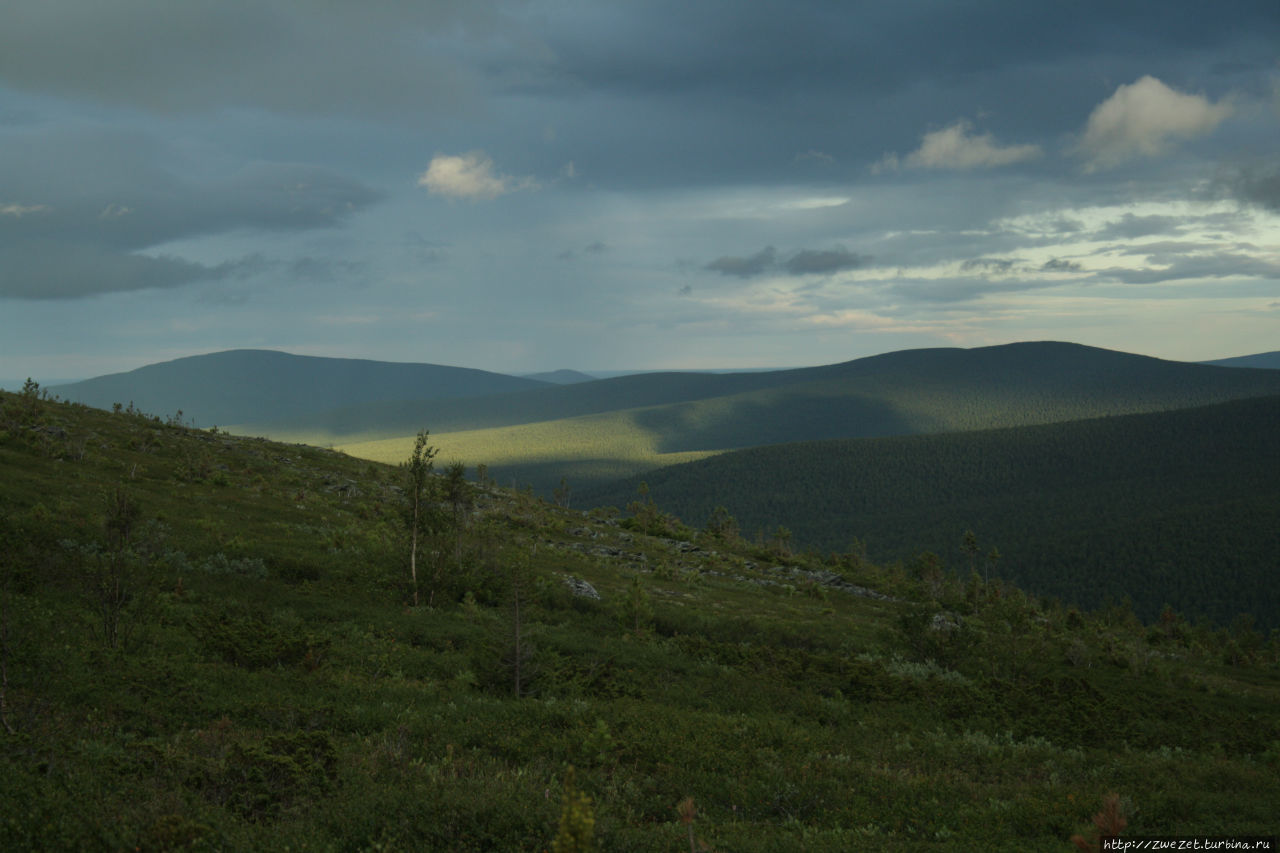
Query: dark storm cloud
[697, 74]
[679, 93]
[777, 45]
[823, 261]
[392, 55]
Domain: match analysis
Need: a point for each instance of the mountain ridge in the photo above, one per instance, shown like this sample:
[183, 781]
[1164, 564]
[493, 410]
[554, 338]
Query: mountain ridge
[946, 364]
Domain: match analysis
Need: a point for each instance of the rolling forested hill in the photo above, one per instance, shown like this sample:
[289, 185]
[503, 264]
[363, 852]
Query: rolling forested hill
[1178, 507]
[1269, 360]
[262, 385]
[900, 392]
[603, 430]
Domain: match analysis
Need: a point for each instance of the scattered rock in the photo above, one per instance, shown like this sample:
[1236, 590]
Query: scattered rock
[581, 588]
[946, 622]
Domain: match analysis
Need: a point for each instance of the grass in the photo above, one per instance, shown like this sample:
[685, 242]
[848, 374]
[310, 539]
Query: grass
[592, 447]
[278, 691]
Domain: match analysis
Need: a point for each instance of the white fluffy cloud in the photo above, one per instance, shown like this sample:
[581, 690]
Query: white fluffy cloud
[471, 176]
[958, 147]
[1140, 120]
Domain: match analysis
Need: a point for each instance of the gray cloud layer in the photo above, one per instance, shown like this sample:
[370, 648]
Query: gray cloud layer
[285, 55]
[80, 208]
[151, 145]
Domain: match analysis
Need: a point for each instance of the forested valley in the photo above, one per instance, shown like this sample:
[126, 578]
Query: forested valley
[1179, 508]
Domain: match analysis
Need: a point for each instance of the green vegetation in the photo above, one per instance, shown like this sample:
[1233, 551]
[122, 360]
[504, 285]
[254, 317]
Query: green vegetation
[270, 684]
[1179, 508]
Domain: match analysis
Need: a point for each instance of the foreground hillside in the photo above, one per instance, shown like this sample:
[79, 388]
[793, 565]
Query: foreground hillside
[1178, 507]
[209, 643]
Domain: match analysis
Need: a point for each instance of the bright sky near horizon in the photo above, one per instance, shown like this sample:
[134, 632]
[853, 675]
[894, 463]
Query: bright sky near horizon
[523, 186]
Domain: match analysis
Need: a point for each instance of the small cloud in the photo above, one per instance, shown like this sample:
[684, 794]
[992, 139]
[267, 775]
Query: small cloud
[957, 147]
[802, 262]
[115, 211]
[988, 266]
[18, 211]
[569, 170]
[887, 163]
[1141, 119]
[687, 290]
[469, 176]
[824, 261]
[1066, 225]
[1059, 265]
[757, 264]
[596, 248]
[324, 269]
[1129, 226]
[346, 319]
[816, 157]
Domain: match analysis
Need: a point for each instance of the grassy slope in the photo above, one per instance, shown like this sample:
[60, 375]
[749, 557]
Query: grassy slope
[590, 448]
[919, 391]
[240, 385]
[1186, 502]
[278, 692]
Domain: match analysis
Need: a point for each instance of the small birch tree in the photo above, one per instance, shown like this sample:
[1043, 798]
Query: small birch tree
[418, 505]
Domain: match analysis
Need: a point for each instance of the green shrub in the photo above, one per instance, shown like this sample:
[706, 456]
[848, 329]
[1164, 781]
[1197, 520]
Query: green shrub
[256, 640]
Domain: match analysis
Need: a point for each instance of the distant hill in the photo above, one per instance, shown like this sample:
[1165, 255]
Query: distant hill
[593, 432]
[923, 390]
[561, 377]
[256, 385]
[1180, 507]
[1269, 360]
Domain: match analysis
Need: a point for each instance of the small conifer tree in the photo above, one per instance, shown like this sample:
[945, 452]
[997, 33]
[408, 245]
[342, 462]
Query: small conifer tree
[576, 831]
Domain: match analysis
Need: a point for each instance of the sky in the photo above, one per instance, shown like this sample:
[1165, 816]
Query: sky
[525, 186]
